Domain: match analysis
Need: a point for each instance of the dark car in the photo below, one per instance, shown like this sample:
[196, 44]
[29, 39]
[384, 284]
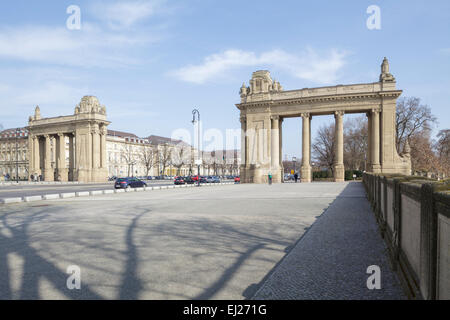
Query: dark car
[189, 180]
[125, 183]
[179, 180]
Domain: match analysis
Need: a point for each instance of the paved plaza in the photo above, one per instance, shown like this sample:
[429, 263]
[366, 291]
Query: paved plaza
[226, 242]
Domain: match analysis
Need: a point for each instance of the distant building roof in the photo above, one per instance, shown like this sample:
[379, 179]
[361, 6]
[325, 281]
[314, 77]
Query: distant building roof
[121, 134]
[155, 140]
[11, 133]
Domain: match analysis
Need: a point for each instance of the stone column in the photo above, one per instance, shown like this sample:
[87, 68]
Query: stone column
[32, 167]
[369, 142]
[63, 172]
[37, 156]
[48, 171]
[275, 149]
[96, 147]
[305, 170]
[71, 157]
[339, 170]
[103, 156]
[375, 150]
[243, 120]
[280, 144]
[244, 147]
[96, 152]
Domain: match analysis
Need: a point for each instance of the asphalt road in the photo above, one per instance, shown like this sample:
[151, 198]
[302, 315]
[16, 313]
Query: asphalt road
[34, 190]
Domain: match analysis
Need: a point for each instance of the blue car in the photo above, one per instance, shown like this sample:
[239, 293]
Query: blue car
[125, 183]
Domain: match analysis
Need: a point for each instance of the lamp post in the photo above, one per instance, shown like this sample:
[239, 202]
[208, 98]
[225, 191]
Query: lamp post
[17, 155]
[294, 160]
[196, 112]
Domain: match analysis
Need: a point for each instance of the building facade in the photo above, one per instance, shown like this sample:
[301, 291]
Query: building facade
[80, 147]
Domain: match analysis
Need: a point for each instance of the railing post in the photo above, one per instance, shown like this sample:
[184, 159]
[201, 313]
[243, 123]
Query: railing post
[428, 242]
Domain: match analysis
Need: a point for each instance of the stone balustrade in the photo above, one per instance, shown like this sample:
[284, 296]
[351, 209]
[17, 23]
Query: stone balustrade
[413, 214]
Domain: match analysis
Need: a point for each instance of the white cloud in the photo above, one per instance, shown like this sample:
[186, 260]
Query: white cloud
[124, 14]
[308, 65]
[91, 46]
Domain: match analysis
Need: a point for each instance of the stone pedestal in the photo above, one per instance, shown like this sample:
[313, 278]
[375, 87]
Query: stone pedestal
[306, 174]
[339, 173]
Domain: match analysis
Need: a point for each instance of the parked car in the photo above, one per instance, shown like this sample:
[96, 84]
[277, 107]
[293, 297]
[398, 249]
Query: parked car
[179, 180]
[237, 179]
[125, 183]
[209, 179]
[189, 180]
[215, 179]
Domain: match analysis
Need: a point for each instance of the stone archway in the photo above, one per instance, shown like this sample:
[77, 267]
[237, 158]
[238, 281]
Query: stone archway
[70, 148]
[264, 105]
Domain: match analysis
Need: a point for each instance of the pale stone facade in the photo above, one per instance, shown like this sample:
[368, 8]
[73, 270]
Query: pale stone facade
[81, 148]
[13, 153]
[264, 105]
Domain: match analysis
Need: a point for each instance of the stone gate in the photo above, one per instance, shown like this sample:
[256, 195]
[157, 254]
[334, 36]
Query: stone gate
[78, 143]
[264, 105]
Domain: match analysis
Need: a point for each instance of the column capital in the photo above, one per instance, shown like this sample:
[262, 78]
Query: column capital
[61, 135]
[339, 113]
[376, 110]
[46, 136]
[275, 117]
[305, 115]
[103, 131]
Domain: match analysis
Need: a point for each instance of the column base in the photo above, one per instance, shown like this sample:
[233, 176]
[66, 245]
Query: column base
[260, 175]
[376, 168]
[339, 173]
[63, 175]
[306, 174]
[49, 175]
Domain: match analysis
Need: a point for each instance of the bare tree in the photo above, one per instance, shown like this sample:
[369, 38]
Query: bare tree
[323, 146]
[422, 156]
[355, 143]
[128, 156]
[442, 147]
[180, 156]
[165, 156]
[411, 117]
[148, 158]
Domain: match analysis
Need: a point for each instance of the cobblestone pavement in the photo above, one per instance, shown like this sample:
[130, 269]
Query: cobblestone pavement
[331, 259]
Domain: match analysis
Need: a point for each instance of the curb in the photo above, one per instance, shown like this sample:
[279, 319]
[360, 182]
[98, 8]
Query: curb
[97, 192]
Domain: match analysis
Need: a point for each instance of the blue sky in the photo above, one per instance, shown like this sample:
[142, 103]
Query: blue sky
[150, 62]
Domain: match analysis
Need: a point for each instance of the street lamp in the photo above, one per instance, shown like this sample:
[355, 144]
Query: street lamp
[196, 112]
[17, 155]
[294, 160]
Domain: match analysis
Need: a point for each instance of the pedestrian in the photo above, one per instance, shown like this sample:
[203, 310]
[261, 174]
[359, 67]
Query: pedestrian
[32, 177]
[296, 177]
[270, 178]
